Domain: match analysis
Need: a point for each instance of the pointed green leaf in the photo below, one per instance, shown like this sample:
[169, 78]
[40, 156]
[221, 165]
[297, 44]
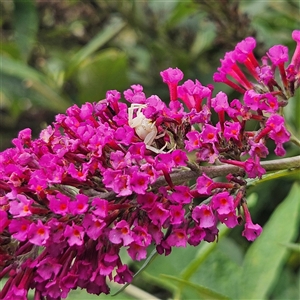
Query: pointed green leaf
[182, 9]
[202, 254]
[203, 40]
[296, 111]
[265, 257]
[35, 80]
[274, 175]
[201, 290]
[292, 246]
[18, 69]
[220, 270]
[107, 70]
[110, 31]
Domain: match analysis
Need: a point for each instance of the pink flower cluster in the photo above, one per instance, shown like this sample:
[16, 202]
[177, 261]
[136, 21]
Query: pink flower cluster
[101, 177]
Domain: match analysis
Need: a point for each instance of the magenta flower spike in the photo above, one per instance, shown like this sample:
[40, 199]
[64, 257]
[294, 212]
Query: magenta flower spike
[229, 67]
[124, 174]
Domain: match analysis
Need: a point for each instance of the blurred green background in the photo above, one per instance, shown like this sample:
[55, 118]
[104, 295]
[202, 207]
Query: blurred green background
[57, 53]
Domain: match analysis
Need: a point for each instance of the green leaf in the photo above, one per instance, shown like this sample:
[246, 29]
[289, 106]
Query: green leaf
[292, 246]
[182, 10]
[18, 69]
[205, 250]
[106, 34]
[26, 26]
[10, 49]
[265, 257]
[203, 40]
[35, 80]
[107, 70]
[296, 101]
[170, 265]
[287, 287]
[201, 290]
[272, 176]
[184, 262]
[220, 270]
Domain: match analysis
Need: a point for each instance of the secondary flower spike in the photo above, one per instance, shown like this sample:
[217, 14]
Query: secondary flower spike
[171, 77]
[106, 176]
[231, 74]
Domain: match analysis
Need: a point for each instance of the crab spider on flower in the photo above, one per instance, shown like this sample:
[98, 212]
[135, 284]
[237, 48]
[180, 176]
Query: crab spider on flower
[144, 127]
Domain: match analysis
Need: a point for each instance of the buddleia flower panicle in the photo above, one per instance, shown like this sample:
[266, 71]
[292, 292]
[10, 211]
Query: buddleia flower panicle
[90, 185]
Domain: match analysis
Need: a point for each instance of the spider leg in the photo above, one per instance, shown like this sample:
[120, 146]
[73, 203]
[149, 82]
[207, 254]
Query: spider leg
[134, 122]
[150, 137]
[155, 150]
[130, 115]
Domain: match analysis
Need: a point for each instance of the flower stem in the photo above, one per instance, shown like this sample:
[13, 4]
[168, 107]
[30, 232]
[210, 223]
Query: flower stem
[179, 177]
[225, 169]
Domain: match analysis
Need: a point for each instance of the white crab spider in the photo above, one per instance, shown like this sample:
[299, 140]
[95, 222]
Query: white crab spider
[144, 128]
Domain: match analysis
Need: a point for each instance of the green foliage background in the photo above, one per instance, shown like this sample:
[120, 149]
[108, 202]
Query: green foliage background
[57, 53]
